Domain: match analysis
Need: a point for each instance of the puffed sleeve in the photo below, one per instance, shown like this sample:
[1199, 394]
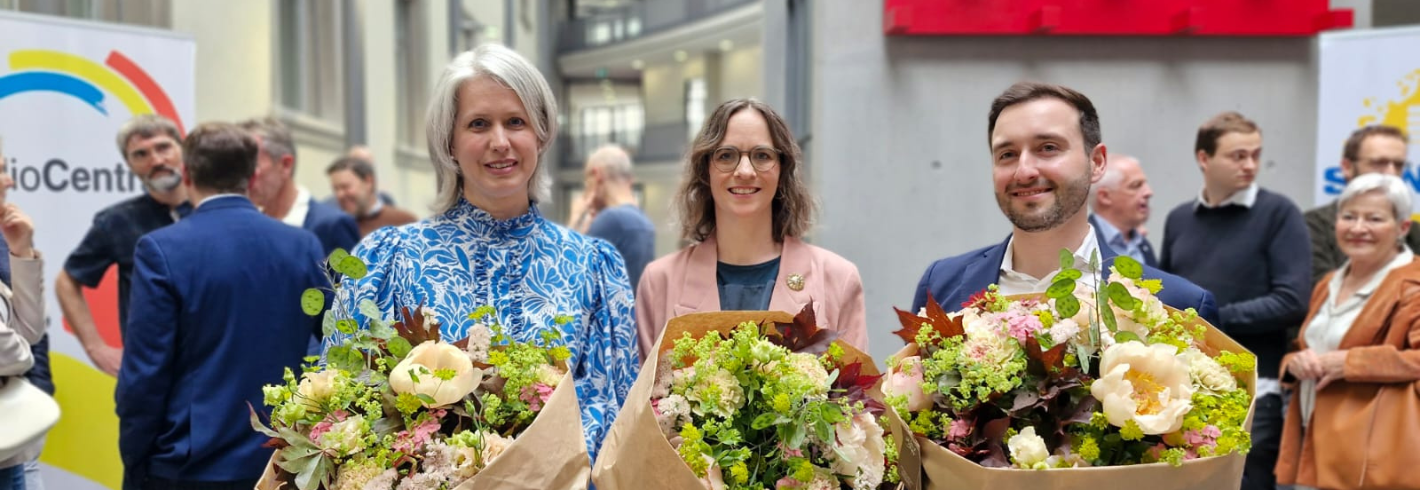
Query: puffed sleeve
[379, 251]
[610, 336]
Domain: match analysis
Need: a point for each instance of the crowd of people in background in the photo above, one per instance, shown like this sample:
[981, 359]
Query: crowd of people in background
[1326, 300]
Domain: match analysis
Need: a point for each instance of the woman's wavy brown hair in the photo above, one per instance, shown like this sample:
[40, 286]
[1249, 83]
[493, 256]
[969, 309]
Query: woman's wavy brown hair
[793, 207]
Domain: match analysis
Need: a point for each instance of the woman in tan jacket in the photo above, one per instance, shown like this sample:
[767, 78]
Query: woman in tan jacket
[742, 201]
[1354, 418]
[21, 316]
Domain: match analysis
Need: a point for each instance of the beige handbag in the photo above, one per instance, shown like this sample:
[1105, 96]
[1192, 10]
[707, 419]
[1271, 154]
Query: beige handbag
[29, 414]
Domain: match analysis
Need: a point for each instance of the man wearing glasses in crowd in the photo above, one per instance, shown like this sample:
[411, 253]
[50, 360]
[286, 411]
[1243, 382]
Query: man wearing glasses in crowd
[1372, 149]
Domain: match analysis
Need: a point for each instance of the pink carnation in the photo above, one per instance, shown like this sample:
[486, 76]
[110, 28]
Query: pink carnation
[536, 395]
[1022, 326]
[959, 429]
[407, 443]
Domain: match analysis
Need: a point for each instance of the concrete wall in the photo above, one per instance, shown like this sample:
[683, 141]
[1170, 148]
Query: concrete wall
[899, 131]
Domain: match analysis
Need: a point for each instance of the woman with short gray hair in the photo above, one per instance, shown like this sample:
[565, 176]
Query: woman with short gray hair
[1353, 410]
[491, 120]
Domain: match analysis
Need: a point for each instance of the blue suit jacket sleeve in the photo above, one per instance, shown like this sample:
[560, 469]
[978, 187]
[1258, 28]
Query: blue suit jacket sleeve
[340, 232]
[146, 374]
[1208, 309]
[919, 298]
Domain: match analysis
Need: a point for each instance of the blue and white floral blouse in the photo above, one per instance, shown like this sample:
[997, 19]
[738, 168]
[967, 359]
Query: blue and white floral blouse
[531, 270]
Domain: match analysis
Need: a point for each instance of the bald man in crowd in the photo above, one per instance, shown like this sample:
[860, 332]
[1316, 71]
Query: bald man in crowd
[608, 210]
[1121, 207]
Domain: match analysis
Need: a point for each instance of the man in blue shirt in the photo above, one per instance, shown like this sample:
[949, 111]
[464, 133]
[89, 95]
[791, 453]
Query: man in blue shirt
[151, 146]
[216, 315]
[274, 189]
[1121, 207]
[609, 211]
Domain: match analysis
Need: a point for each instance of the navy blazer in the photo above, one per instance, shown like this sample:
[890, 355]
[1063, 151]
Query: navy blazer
[215, 315]
[953, 280]
[333, 227]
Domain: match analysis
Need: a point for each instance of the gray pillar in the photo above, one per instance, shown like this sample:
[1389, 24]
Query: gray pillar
[354, 60]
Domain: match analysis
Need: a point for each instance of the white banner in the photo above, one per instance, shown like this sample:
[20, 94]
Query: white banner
[1366, 77]
[65, 88]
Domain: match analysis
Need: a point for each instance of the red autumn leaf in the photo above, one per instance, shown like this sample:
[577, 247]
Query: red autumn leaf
[937, 318]
[802, 334]
[1045, 361]
[854, 385]
[413, 329]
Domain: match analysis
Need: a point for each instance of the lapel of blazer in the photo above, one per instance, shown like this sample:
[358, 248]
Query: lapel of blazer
[698, 290]
[980, 273]
[796, 258]
[1375, 318]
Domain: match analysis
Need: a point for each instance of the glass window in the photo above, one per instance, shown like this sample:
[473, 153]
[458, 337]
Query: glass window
[310, 50]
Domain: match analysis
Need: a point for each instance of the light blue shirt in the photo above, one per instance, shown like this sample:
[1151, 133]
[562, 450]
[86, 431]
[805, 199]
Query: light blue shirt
[528, 268]
[1133, 247]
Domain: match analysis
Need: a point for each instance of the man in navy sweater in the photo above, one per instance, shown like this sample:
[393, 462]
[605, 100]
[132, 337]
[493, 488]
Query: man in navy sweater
[1249, 247]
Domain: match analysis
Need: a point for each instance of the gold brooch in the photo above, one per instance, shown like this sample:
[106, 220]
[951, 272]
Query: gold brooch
[796, 282]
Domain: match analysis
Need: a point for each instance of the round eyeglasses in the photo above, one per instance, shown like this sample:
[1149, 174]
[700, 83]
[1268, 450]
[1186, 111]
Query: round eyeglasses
[727, 158]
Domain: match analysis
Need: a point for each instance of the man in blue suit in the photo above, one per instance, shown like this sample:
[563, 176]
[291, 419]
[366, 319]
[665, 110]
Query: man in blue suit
[1120, 201]
[1046, 151]
[215, 316]
[274, 189]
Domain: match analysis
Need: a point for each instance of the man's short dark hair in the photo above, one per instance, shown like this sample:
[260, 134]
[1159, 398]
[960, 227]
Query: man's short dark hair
[220, 157]
[1352, 150]
[359, 166]
[1027, 91]
[1227, 122]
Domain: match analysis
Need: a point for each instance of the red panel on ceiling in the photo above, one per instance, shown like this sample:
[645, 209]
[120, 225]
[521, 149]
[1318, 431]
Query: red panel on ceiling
[1112, 17]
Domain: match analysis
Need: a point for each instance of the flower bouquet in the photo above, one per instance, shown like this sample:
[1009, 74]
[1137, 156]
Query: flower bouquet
[749, 400]
[1097, 385]
[395, 407]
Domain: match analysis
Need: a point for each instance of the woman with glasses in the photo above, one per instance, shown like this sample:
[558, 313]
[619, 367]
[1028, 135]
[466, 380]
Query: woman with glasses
[744, 205]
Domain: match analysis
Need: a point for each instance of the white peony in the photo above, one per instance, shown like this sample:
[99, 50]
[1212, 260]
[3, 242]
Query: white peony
[427, 359]
[1028, 449]
[1148, 384]
[1207, 374]
[859, 451]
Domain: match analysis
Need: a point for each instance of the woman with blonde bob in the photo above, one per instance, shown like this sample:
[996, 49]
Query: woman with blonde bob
[1354, 416]
[743, 201]
[489, 124]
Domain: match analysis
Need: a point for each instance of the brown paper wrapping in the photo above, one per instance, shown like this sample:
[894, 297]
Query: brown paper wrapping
[636, 455]
[926, 465]
[550, 454]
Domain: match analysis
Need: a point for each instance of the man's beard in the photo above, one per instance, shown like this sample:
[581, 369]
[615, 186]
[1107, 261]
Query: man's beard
[162, 184]
[1069, 199]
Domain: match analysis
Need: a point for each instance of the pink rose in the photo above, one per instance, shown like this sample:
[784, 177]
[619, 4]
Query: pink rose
[907, 380]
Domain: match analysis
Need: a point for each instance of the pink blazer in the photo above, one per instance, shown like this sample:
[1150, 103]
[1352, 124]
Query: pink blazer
[684, 282]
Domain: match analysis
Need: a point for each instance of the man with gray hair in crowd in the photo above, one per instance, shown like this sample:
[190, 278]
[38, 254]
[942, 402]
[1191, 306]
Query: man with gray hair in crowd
[275, 191]
[1120, 201]
[151, 145]
[608, 210]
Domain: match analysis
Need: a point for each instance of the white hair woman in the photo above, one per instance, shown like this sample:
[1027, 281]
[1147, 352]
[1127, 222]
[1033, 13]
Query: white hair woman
[21, 315]
[491, 120]
[1355, 408]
